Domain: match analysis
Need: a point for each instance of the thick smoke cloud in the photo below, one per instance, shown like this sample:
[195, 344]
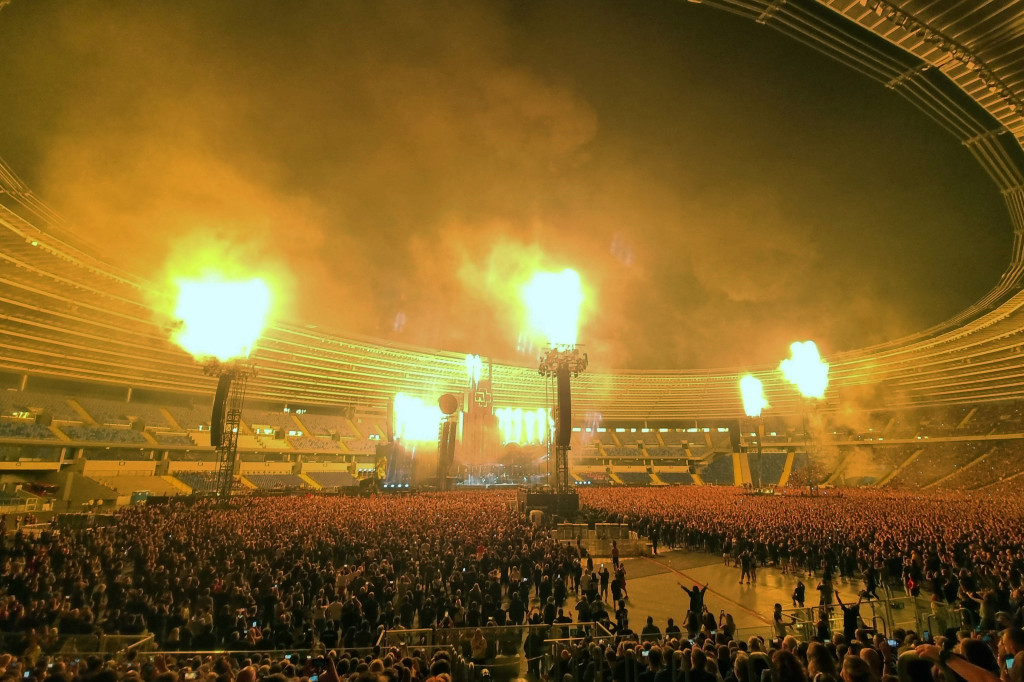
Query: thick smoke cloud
[399, 169]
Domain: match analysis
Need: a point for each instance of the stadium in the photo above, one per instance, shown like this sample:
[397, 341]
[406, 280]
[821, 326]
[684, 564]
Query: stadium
[148, 510]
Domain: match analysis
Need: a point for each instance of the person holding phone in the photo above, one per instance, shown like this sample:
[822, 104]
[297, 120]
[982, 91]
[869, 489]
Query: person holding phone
[1010, 646]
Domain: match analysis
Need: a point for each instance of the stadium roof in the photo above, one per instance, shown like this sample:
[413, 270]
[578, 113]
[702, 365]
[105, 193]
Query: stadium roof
[64, 312]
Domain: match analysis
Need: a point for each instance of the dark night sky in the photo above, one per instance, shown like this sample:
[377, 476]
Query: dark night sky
[398, 168]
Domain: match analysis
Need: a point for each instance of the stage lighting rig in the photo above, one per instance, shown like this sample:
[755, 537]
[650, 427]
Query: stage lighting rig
[565, 358]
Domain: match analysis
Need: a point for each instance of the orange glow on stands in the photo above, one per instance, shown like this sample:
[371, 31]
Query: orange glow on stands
[753, 395]
[806, 370]
[220, 319]
[416, 419]
[553, 302]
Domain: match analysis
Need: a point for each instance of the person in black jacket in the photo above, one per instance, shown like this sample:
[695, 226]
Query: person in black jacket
[696, 597]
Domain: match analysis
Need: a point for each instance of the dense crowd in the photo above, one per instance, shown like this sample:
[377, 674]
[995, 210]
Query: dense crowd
[269, 573]
[321, 575]
[966, 552]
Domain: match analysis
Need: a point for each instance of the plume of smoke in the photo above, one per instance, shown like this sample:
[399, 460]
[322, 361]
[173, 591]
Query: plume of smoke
[398, 168]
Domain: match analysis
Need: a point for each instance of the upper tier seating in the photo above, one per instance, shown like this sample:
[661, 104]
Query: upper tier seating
[309, 443]
[276, 420]
[371, 425]
[57, 406]
[103, 434]
[671, 438]
[326, 425]
[10, 428]
[361, 445]
[121, 413]
[666, 453]
[193, 417]
[628, 438]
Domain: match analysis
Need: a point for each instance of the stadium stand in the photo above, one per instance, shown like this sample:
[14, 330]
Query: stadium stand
[721, 441]
[205, 482]
[172, 438]
[719, 471]
[633, 477]
[126, 485]
[310, 443]
[333, 479]
[998, 462]
[275, 420]
[768, 467]
[276, 481]
[937, 461]
[370, 425]
[666, 453]
[326, 425]
[629, 452]
[191, 418]
[594, 478]
[673, 437]
[632, 437]
[361, 445]
[24, 429]
[674, 477]
[120, 413]
[15, 403]
[103, 434]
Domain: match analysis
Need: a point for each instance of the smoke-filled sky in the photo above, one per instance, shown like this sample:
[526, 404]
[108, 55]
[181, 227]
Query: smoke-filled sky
[399, 169]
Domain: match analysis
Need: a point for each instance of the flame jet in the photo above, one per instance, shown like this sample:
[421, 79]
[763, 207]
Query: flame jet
[806, 370]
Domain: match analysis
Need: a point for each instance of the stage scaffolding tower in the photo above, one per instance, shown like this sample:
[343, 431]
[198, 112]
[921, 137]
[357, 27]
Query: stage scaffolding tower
[562, 363]
[227, 419]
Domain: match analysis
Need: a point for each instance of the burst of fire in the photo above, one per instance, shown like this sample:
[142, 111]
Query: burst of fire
[416, 419]
[220, 319]
[753, 395]
[806, 370]
[553, 302]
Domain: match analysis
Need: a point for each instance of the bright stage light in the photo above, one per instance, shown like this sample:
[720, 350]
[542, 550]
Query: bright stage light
[416, 420]
[220, 319]
[474, 368]
[753, 395]
[525, 427]
[806, 369]
[553, 302]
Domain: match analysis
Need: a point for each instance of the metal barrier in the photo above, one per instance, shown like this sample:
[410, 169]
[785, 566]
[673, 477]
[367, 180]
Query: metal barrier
[882, 615]
[510, 650]
[80, 645]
